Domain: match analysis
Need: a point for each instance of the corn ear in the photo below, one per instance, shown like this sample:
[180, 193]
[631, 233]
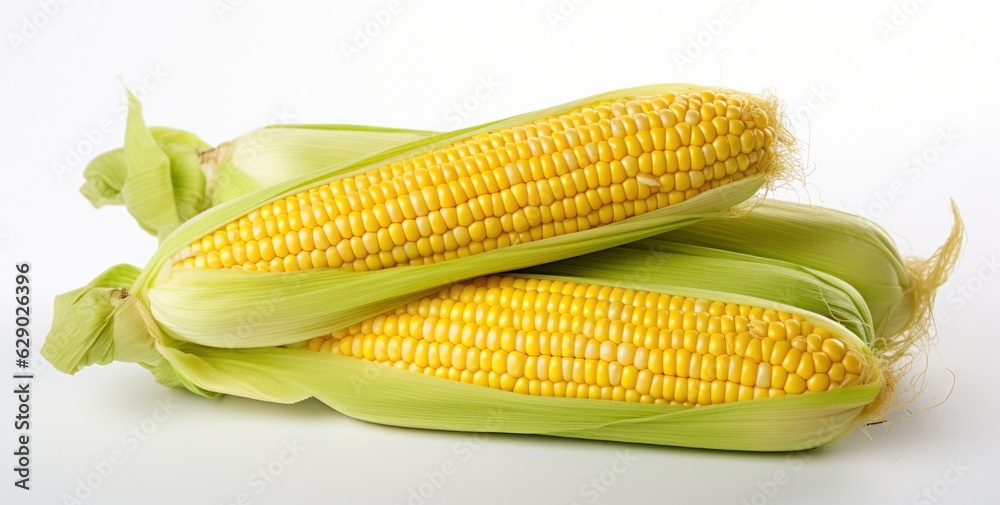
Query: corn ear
[236, 309]
[899, 291]
[165, 176]
[111, 319]
[389, 395]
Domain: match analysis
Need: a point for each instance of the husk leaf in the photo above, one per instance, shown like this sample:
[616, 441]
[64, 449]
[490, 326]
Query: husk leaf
[391, 396]
[899, 291]
[165, 176]
[276, 153]
[156, 175]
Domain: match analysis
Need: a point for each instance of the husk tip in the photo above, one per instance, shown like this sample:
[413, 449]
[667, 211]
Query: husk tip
[898, 354]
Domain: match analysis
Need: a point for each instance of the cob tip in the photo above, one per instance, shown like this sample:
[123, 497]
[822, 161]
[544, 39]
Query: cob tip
[785, 166]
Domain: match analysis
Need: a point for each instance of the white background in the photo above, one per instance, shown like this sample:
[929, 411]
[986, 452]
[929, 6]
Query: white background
[870, 85]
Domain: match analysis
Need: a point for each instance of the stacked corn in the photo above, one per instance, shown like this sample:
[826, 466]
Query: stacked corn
[644, 311]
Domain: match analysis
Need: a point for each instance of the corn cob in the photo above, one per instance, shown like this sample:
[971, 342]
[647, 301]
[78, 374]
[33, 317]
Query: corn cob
[553, 338]
[224, 307]
[630, 358]
[580, 169]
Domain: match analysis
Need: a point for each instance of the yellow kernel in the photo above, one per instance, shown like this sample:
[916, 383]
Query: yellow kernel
[795, 385]
[835, 349]
[818, 382]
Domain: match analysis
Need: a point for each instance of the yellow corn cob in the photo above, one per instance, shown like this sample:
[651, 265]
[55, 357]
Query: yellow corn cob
[898, 291]
[467, 197]
[586, 167]
[563, 339]
[703, 348]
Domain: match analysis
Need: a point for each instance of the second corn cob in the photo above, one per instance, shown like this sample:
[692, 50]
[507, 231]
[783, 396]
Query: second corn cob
[554, 338]
[703, 352]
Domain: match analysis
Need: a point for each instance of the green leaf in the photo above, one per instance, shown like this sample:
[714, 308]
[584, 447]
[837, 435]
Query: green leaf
[157, 175]
[83, 329]
[104, 178]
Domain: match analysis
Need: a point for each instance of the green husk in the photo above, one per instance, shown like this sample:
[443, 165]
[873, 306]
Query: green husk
[899, 291]
[165, 176]
[276, 153]
[387, 395]
[156, 175]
